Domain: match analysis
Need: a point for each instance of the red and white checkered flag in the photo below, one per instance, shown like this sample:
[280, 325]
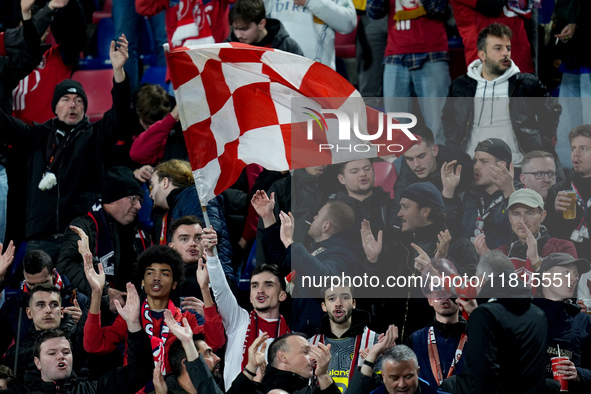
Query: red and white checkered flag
[236, 105]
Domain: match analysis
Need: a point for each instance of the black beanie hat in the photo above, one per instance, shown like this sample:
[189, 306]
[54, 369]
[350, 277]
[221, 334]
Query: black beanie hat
[119, 183]
[68, 86]
[424, 194]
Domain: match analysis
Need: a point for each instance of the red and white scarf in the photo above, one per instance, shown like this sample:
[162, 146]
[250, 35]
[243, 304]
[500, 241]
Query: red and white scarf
[57, 282]
[252, 332]
[157, 339]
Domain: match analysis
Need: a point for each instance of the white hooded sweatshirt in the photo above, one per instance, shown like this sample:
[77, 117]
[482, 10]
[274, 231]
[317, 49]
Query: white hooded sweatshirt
[491, 110]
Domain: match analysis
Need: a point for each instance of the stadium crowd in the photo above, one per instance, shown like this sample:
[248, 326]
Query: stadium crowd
[115, 279]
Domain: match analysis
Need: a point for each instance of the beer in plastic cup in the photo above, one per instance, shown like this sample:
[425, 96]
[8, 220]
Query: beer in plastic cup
[558, 376]
[571, 211]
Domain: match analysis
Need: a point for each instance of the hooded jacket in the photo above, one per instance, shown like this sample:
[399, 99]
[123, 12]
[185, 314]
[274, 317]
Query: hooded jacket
[276, 38]
[534, 121]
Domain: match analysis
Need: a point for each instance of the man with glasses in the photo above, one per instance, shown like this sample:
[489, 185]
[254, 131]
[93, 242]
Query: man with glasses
[111, 233]
[538, 172]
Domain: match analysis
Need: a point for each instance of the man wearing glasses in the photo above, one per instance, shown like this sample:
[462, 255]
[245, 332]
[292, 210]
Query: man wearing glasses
[538, 172]
[114, 238]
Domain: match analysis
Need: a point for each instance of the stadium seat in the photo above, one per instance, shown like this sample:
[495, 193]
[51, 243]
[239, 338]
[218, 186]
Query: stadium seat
[104, 13]
[155, 75]
[105, 33]
[97, 84]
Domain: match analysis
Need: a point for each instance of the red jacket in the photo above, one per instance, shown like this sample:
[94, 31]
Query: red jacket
[470, 22]
[101, 340]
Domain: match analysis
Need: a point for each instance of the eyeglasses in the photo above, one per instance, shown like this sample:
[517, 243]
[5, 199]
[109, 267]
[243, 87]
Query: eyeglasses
[134, 199]
[539, 175]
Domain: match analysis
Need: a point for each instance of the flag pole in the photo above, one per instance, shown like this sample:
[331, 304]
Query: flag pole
[206, 220]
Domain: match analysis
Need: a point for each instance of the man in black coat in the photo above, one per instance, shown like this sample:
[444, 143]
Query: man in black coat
[426, 162]
[45, 311]
[422, 237]
[497, 104]
[329, 254]
[506, 349]
[109, 230]
[53, 359]
[292, 362]
[65, 155]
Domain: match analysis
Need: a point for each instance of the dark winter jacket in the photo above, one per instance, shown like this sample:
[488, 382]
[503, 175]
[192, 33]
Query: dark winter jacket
[571, 330]
[26, 349]
[332, 256]
[506, 349]
[276, 38]
[277, 379]
[127, 241]
[200, 376]
[446, 154]
[128, 379]
[497, 227]
[534, 119]
[447, 338]
[412, 312]
[378, 209]
[309, 196]
[183, 202]
[79, 172]
[563, 228]
[361, 384]
[15, 67]
[10, 311]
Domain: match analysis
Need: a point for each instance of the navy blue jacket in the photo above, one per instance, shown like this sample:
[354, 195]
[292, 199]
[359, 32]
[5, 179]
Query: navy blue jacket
[10, 311]
[333, 256]
[447, 337]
